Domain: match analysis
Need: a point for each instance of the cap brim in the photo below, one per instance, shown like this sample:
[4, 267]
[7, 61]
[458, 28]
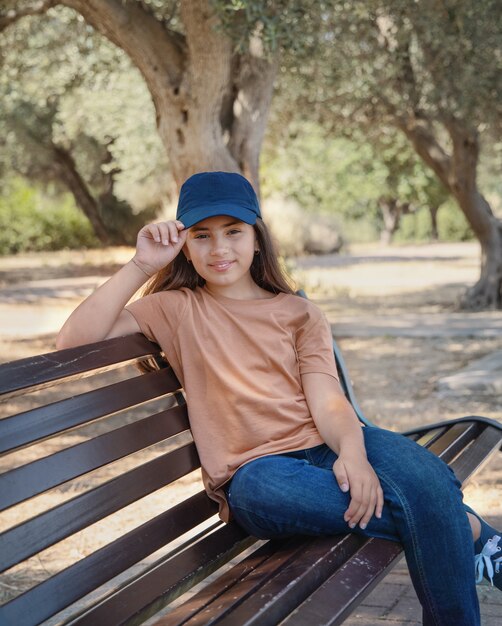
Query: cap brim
[197, 215]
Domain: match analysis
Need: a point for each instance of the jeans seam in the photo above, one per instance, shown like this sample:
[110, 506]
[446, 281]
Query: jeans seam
[416, 548]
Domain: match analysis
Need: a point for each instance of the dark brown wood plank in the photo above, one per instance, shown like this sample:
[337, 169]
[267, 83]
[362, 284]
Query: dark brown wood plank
[428, 438]
[38, 533]
[294, 582]
[238, 583]
[449, 444]
[477, 454]
[39, 476]
[169, 579]
[42, 370]
[56, 593]
[337, 597]
[36, 424]
[214, 590]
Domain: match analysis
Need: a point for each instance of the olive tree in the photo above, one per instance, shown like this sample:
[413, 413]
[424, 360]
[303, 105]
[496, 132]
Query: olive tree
[431, 69]
[66, 114]
[211, 98]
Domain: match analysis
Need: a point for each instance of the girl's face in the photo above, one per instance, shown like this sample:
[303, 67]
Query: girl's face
[221, 249]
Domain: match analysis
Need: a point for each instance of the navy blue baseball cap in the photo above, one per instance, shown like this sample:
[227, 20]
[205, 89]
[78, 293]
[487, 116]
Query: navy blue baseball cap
[208, 194]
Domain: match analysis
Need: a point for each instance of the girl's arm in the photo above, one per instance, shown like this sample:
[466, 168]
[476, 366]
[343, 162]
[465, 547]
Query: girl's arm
[339, 427]
[102, 314]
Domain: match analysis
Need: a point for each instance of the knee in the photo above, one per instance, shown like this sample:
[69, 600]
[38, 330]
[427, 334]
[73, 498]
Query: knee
[408, 463]
[430, 488]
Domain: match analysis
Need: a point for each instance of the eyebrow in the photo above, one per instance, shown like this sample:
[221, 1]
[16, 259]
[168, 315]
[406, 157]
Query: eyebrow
[196, 229]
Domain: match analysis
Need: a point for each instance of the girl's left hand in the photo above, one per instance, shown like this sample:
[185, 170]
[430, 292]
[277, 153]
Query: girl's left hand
[365, 490]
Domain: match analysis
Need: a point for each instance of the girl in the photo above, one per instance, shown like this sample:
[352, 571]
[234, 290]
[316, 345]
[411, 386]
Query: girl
[281, 449]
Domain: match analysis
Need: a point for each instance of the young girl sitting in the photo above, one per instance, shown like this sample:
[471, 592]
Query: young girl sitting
[281, 449]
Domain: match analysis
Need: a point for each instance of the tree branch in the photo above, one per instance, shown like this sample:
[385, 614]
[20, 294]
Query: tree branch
[12, 16]
[419, 132]
[156, 51]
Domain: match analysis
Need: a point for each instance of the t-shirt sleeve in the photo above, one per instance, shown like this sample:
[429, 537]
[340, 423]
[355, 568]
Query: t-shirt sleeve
[158, 315]
[314, 345]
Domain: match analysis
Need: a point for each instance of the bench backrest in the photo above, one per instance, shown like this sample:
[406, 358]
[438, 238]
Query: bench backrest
[101, 382]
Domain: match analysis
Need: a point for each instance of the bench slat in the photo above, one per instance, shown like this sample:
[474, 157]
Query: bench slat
[476, 455]
[169, 579]
[56, 593]
[39, 476]
[333, 601]
[42, 422]
[229, 580]
[294, 582]
[277, 584]
[429, 437]
[454, 440]
[237, 584]
[42, 370]
[38, 533]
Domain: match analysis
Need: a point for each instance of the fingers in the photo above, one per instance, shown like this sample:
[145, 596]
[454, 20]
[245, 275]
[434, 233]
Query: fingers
[366, 493]
[341, 475]
[165, 233]
[366, 501]
[362, 506]
[379, 505]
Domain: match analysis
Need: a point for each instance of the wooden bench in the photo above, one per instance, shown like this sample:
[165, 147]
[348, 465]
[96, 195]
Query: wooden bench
[129, 576]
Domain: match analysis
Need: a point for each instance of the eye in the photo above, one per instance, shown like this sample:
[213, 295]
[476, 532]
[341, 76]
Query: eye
[234, 231]
[201, 236]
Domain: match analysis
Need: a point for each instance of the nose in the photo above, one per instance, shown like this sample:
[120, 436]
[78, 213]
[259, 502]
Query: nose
[219, 245]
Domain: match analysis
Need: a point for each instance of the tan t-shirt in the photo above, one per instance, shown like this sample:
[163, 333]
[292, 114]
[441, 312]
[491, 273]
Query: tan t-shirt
[240, 362]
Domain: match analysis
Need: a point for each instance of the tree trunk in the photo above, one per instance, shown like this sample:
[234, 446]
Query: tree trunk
[487, 292]
[211, 104]
[433, 211]
[66, 171]
[458, 173]
[391, 214]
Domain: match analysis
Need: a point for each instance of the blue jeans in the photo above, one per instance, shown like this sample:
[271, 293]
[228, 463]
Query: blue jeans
[296, 493]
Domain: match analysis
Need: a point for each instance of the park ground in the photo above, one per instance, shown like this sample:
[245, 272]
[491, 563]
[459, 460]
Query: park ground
[394, 312]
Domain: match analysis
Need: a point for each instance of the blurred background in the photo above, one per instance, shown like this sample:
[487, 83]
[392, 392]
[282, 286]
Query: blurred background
[357, 121]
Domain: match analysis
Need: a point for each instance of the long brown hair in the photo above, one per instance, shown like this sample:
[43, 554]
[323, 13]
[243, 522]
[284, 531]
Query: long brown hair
[265, 269]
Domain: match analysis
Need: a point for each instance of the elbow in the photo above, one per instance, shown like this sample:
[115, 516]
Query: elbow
[62, 342]
[65, 340]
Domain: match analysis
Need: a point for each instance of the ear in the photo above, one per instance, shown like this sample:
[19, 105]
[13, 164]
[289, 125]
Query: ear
[186, 253]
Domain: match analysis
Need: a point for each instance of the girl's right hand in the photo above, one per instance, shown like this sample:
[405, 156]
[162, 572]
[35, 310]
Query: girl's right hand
[158, 244]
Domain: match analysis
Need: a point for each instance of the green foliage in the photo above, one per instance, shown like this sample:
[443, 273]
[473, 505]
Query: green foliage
[31, 220]
[64, 84]
[348, 177]
[452, 225]
[322, 175]
[377, 60]
[290, 26]
[416, 226]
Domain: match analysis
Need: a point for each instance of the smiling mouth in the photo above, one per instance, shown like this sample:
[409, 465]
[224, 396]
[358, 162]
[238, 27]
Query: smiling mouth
[221, 266]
